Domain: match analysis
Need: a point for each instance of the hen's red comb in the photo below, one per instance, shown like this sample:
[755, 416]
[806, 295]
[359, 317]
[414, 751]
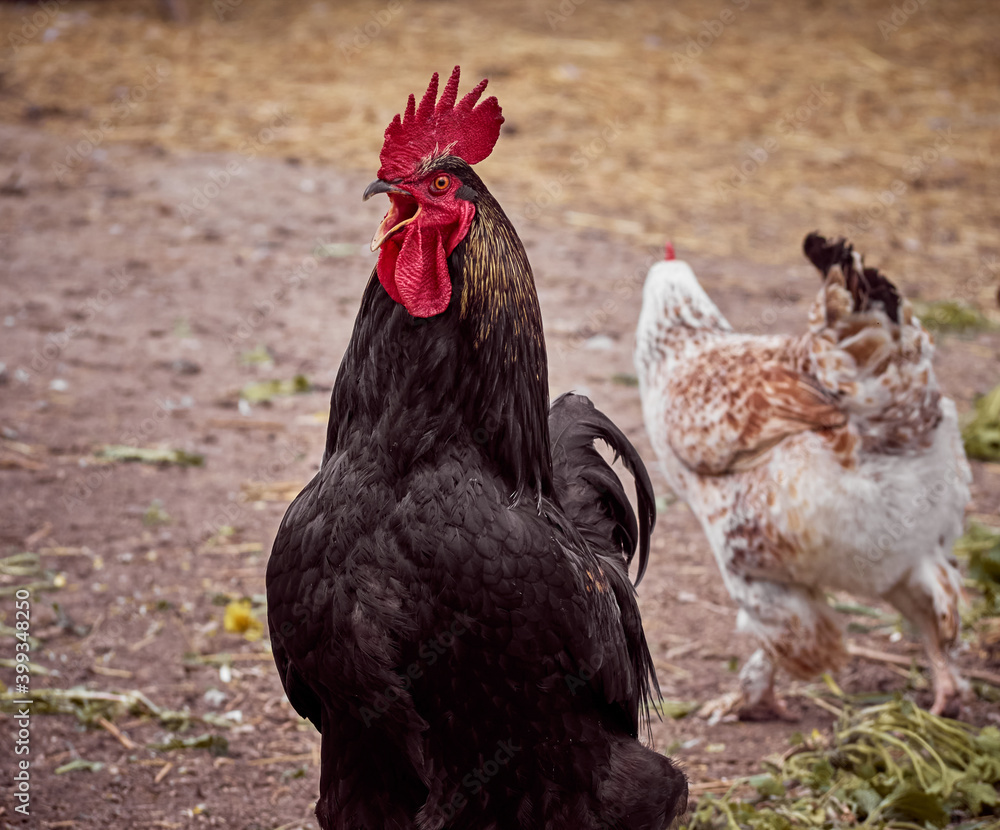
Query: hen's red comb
[467, 130]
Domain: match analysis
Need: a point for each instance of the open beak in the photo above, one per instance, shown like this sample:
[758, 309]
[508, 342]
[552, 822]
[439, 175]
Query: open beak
[403, 209]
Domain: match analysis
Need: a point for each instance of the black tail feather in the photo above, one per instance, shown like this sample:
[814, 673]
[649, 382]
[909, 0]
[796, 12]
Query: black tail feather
[592, 494]
[866, 285]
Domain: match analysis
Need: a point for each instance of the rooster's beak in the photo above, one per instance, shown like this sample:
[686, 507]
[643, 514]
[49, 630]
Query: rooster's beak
[379, 186]
[402, 210]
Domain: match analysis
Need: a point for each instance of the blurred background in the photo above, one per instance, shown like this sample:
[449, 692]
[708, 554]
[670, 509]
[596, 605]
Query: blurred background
[182, 251]
[733, 127]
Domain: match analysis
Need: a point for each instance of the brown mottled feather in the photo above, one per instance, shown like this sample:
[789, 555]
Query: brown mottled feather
[825, 460]
[763, 401]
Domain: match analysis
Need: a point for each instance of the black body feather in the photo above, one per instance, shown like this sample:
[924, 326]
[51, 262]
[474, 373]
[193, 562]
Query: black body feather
[448, 598]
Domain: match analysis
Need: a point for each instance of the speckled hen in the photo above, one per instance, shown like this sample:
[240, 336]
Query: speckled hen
[448, 598]
[825, 461]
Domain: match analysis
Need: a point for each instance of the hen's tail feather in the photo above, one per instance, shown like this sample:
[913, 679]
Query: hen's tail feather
[867, 285]
[593, 495]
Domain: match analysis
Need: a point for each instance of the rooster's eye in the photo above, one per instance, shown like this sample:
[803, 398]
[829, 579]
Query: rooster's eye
[440, 184]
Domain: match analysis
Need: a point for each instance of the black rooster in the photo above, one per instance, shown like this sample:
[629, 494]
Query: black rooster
[448, 599]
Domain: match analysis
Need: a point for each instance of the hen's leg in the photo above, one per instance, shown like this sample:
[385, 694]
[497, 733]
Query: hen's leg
[798, 632]
[759, 702]
[755, 699]
[928, 598]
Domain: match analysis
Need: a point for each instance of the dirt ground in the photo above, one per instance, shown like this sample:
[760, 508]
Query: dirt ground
[146, 246]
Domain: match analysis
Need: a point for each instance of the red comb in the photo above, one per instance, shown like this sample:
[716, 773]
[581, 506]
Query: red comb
[467, 130]
[668, 251]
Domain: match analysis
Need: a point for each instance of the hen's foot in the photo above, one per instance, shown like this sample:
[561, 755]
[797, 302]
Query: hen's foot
[947, 703]
[722, 709]
[771, 708]
[734, 706]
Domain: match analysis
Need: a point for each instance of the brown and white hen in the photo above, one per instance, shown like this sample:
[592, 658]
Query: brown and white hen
[825, 461]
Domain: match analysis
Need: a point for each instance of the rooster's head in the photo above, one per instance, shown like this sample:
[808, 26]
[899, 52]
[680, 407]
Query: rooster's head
[423, 158]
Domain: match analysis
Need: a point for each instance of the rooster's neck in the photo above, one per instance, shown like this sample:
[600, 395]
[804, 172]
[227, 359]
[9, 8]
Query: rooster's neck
[475, 375]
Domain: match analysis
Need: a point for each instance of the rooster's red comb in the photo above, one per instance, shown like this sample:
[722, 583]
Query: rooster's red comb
[468, 130]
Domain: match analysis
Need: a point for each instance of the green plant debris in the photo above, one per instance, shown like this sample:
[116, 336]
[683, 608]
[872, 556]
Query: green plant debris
[663, 503]
[151, 455]
[338, 250]
[981, 433]
[226, 658]
[21, 564]
[57, 581]
[625, 379]
[27, 564]
[155, 514]
[950, 316]
[79, 764]
[215, 744]
[862, 610]
[10, 631]
[979, 546]
[676, 709]
[887, 766]
[257, 356]
[87, 705]
[985, 691]
[264, 390]
[220, 536]
[33, 667]
[766, 784]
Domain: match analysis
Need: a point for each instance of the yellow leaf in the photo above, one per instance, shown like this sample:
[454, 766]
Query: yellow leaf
[239, 619]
